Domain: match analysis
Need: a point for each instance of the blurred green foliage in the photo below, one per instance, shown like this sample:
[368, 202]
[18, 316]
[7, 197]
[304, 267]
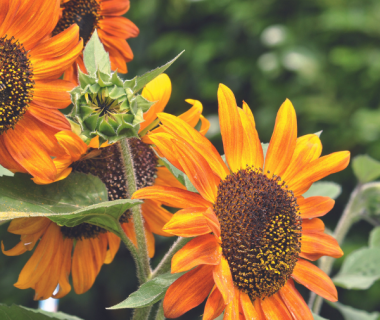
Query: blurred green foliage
[324, 55]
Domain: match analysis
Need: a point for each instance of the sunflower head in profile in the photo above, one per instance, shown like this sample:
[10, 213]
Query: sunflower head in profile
[31, 62]
[113, 30]
[253, 229]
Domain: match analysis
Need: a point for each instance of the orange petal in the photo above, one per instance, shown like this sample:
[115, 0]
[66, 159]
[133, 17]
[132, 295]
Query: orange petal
[231, 128]
[316, 245]
[313, 226]
[274, 308]
[188, 291]
[205, 125]
[28, 225]
[313, 207]
[72, 144]
[52, 93]
[308, 148]
[172, 197]
[212, 222]
[114, 7]
[233, 308]
[167, 179]
[223, 280]
[283, 141]
[317, 170]
[119, 27]
[159, 89]
[249, 310]
[214, 305]
[315, 280]
[192, 115]
[182, 130]
[188, 222]
[129, 230]
[64, 284]
[15, 251]
[198, 171]
[156, 217]
[7, 161]
[113, 247]
[149, 241]
[294, 301]
[50, 117]
[201, 250]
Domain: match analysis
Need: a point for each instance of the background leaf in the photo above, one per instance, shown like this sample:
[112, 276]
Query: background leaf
[15, 312]
[325, 189]
[78, 198]
[317, 317]
[95, 57]
[150, 292]
[350, 313]
[5, 172]
[366, 169]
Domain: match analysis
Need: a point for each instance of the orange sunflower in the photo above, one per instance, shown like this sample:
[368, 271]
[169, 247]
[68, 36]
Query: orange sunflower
[113, 30]
[31, 93]
[253, 229]
[83, 249]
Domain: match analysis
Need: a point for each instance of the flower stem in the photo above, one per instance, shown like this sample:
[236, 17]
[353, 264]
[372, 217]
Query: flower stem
[160, 311]
[141, 313]
[344, 224]
[165, 263]
[142, 251]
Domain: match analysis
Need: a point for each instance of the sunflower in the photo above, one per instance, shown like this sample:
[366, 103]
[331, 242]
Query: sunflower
[31, 93]
[253, 229]
[83, 249]
[113, 30]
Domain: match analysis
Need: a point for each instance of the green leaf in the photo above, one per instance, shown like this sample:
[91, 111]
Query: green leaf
[149, 293]
[350, 313]
[317, 317]
[5, 172]
[78, 198]
[360, 269]
[324, 189]
[142, 81]
[374, 238]
[15, 312]
[366, 169]
[95, 57]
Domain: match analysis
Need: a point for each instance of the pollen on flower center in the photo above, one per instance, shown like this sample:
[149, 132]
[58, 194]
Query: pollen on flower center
[106, 163]
[260, 231]
[16, 84]
[85, 13]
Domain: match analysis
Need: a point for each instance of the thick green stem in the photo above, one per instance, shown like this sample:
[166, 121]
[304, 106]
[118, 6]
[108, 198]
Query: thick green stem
[344, 224]
[142, 313]
[142, 251]
[160, 311]
[165, 263]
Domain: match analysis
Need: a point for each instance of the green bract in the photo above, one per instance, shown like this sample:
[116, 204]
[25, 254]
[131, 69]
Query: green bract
[104, 104]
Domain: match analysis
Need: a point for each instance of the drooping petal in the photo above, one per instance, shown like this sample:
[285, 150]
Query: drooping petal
[188, 291]
[233, 308]
[192, 115]
[223, 280]
[129, 230]
[294, 301]
[231, 128]
[313, 207]
[274, 308]
[64, 284]
[188, 222]
[113, 247]
[149, 241]
[23, 226]
[316, 245]
[72, 144]
[283, 141]
[250, 312]
[317, 170]
[156, 217]
[201, 250]
[214, 305]
[172, 197]
[315, 280]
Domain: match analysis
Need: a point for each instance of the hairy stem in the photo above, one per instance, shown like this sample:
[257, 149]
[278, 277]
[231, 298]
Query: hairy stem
[141, 313]
[160, 311]
[344, 224]
[142, 251]
[165, 263]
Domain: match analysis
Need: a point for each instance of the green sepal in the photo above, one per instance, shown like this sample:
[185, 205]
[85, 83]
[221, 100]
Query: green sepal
[95, 57]
[142, 103]
[92, 121]
[106, 127]
[117, 92]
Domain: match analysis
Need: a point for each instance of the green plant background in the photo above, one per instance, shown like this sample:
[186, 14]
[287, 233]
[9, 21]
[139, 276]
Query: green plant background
[324, 55]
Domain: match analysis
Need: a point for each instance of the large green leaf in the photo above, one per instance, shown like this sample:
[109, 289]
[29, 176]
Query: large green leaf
[350, 313]
[95, 57]
[5, 172]
[150, 292]
[15, 312]
[78, 198]
[317, 317]
[360, 269]
[374, 238]
[324, 189]
[141, 81]
[366, 169]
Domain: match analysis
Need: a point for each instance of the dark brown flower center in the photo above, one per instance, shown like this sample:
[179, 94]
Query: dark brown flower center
[16, 83]
[260, 231]
[106, 164]
[85, 13]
